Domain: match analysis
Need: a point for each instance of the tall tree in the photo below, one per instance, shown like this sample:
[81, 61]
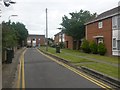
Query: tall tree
[9, 38]
[13, 34]
[74, 26]
[21, 32]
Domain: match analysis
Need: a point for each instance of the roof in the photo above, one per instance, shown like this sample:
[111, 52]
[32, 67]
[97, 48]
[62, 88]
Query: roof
[35, 35]
[58, 33]
[107, 14]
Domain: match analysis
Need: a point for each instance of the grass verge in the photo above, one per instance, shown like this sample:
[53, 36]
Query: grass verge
[103, 68]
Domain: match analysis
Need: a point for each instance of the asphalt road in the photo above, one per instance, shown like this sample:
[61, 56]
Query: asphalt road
[41, 72]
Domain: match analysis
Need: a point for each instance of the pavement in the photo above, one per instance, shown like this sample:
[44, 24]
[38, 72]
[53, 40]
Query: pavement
[9, 70]
[42, 72]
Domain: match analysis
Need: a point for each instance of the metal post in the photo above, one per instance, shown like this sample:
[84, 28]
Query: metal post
[46, 32]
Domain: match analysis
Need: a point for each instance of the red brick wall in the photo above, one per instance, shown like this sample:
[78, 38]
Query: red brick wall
[106, 31]
[69, 39]
[37, 37]
[42, 40]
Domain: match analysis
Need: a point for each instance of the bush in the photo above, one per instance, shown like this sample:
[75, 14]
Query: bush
[85, 46]
[93, 47]
[62, 45]
[101, 49]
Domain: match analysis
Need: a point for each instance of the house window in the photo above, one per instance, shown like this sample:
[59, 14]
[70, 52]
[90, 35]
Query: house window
[114, 22]
[33, 39]
[118, 44]
[119, 22]
[100, 40]
[114, 43]
[100, 24]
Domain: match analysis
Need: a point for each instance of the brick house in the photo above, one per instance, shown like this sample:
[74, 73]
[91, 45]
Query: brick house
[36, 40]
[62, 37]
[105, 28]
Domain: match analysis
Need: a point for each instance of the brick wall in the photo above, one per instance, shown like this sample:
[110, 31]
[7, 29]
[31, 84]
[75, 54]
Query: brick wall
[69, 42]
[106, 32]
[67, 39]
[40, 39]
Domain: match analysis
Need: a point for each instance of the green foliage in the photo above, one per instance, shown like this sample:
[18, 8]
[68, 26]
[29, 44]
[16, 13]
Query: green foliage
[21, 32]
[85, 46]
[93, 47]
[9, 38]
[101, 49]
[62, 45]
[75, 25]
[13, 34]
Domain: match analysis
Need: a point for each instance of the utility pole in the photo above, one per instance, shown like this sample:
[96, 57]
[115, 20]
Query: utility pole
[46, 32]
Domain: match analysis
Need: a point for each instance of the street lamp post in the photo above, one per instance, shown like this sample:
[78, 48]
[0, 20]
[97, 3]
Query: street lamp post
[46, 32]
[12, 16]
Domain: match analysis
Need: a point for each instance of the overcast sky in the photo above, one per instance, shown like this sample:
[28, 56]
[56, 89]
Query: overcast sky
[32, 12]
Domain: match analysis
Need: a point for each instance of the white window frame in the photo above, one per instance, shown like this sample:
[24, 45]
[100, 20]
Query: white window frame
[118, 45]
[100, 24]
[100, 40]
[118, 22]
[115, 22]
[114, 46]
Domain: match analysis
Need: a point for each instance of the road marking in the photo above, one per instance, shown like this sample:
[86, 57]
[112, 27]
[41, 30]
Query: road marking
[21, 75]
[79, 73]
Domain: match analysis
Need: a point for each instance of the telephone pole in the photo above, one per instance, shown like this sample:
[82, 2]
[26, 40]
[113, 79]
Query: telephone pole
[46, 32]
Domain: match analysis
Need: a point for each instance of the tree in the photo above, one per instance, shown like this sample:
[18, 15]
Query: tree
[9, 38]
[13, 34]
[21, 32]
[75, 25]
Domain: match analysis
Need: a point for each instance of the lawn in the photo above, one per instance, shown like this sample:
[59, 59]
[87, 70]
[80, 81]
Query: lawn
[98, 57]
[106, 69]
[100, 67]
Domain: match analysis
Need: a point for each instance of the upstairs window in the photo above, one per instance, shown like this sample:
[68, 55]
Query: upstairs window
[114, 44]
[100, 24]
[119, 22]
[118, 44]
[114, 22]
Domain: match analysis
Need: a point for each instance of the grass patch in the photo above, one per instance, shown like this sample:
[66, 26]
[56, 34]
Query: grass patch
[98, 57]
[67, 57]
[103, 68]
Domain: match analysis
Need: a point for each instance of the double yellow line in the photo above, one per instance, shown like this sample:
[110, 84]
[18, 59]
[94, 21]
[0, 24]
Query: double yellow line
[106, 87]
[21, 75]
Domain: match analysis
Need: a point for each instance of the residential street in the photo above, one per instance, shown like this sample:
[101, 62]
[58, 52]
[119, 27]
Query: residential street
[41, 72]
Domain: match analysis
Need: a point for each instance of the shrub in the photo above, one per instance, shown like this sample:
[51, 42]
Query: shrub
[101, 49]
[93, 47]
[62, 45]
[85, 46]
